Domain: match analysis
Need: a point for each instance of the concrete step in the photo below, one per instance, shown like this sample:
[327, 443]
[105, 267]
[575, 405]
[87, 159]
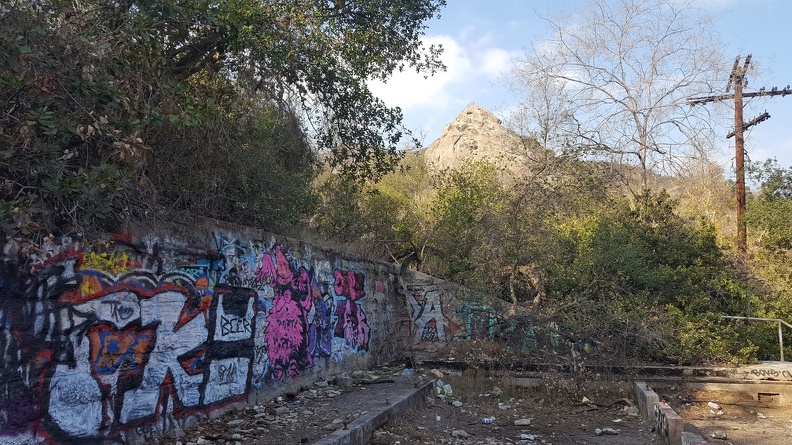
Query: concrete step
[360, 431]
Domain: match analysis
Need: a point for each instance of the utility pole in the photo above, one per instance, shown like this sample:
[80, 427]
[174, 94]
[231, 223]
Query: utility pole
[738, 81]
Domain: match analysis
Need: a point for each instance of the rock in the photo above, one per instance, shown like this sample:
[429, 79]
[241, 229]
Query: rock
[282, 410]
[456, 403]
[322, 384]
[236, 436]
[529, 437]
[460, 433]
[437, 373]
[175, 433]
[236, 422]
[522, 422]
[476, 133]
[605, 431]
[496, 391]
[344, 381]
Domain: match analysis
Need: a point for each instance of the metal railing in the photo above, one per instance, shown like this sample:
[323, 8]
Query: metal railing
[776, 320]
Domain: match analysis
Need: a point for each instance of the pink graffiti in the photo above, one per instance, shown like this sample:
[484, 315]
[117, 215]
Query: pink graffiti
[286, 336]
[351, 323]
[349, 284]
[278, 272]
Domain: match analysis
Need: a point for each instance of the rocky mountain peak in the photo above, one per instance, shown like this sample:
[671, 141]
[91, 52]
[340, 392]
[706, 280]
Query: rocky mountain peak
[476, 133]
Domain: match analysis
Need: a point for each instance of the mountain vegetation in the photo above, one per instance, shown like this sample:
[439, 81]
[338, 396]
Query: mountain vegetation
[114, 111]
[258, 113]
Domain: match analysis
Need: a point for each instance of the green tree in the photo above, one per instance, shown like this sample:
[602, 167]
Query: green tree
[95, 93]
[771, 207]
[390, 216]
[770, 244]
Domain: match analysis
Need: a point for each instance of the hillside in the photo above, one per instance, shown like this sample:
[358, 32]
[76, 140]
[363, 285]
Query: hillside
[476, 133]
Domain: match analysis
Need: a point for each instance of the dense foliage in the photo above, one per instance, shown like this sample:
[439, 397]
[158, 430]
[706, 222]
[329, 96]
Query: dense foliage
[116, 111]
[628, 275]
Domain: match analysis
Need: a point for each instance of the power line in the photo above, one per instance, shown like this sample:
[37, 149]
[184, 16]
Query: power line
[738, 81]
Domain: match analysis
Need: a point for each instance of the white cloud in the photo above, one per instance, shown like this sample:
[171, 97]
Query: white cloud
[496, 61]
[467, 68]
[409, 89]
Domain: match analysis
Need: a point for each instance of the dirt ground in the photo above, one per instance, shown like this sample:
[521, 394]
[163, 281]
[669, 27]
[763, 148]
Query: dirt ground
[738, 421]
[547, 415]
[560, 412]
[303, 417]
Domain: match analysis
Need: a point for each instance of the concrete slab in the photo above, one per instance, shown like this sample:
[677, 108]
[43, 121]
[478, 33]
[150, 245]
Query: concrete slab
[693, 439]
[646, 400]
[777, 371]
[361, 430]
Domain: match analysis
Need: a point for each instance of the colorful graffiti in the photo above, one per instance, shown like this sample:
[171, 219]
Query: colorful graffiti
[430, 324]
[478, 321]
[110, 345]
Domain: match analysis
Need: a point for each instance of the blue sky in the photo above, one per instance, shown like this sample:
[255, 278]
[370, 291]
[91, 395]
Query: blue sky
[481, 38]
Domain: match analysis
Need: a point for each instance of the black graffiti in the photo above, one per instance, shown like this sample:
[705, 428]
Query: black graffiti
[226, 374]
[661, 423]
[772, 373]
[260, 354]
[119, 311]
[234, 325]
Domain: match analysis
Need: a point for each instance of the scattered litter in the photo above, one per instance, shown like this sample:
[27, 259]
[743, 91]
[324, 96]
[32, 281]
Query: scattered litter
[522, 422]
[408, 372]
[606, 431]
[713, 405]
[719, 436]
[438, 418]
[456, 403]
[632, 411]
[585, 400]
[488, 420]
[761, 416]
[531, 437]
[437, 373]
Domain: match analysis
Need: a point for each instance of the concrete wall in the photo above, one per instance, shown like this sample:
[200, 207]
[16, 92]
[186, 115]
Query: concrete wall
[141, 334]
[436, 315]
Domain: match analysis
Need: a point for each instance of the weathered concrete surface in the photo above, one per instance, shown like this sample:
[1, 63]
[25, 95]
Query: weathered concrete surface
[668, 424]
[360, 431]
[646, 400]
[693, 439]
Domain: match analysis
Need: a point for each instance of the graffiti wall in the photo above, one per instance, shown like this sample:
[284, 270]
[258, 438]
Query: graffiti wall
[128, 338]
[433, 316]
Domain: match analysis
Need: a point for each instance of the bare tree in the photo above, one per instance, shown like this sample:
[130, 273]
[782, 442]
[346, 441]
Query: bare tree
[624, 70]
